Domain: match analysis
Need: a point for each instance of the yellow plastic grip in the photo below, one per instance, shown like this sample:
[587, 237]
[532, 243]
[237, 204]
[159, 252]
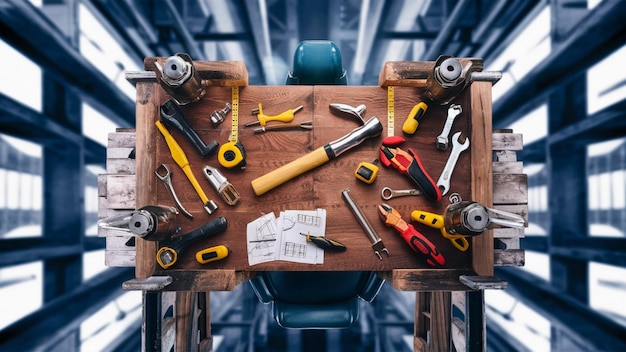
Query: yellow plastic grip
[212, 254]
[275, 178]
[413, 119]
[286, 116]
[181, 159]
[436, 221]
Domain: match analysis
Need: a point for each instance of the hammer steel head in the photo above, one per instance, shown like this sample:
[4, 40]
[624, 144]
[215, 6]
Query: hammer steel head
[345, 109]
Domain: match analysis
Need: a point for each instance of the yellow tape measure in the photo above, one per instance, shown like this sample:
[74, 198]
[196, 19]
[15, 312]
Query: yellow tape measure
[390, 111]
[232, 153]
[234, 112]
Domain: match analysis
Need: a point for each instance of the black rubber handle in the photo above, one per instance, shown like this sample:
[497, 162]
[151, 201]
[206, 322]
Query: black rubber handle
[211, 228]
[172, 116]
[417, 172]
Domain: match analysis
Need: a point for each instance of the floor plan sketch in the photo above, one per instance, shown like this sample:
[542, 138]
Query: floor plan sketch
[270, 238]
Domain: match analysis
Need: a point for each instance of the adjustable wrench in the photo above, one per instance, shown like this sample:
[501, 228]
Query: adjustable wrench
[444, 180]
[442, 140]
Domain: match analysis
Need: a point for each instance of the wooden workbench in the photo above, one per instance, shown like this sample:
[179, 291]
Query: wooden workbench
[487, 173]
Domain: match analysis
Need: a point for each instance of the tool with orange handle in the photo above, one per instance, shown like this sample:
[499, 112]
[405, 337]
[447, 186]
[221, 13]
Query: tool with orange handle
[418, 242]
[181, 159]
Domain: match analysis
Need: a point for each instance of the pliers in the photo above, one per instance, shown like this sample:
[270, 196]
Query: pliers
[408, 163]
[418, 242]
[437, 222]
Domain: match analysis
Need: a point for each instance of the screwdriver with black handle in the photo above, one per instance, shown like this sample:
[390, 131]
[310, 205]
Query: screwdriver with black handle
[168, 254]
[324, 243]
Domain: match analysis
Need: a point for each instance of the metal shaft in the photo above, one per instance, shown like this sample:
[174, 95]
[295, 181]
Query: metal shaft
[377, 243]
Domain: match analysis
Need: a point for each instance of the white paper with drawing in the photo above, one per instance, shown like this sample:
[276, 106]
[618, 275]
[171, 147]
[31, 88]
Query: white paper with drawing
[284, 238]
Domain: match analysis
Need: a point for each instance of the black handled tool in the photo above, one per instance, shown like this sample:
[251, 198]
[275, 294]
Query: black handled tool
[324, 243]
[173, 117]
[168, 254]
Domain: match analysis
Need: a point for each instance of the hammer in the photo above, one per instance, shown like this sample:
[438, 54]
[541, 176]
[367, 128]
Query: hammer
[371, 128]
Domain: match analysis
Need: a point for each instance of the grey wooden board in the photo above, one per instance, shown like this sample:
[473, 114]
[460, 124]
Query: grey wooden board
[510, 189]
[507, 167]
[510, 257]
[121, 191]
[507, 141]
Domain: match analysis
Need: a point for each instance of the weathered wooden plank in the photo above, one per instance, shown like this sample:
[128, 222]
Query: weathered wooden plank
[510, 189]
[149, 98]
[426, 280]
[481, 170]
[185, 307]
[168, 327]
[121, 166]
[507, 232]
[512, 257]
[413, 73]
[102, 186]
[507, 243]
[440, 321]
[121, 191]
[508, 167]
[457, 334]
[212, 73]
[504, 155]
[152, 283]
[119, 243]
[507, 141]
[119, 139]
[482, 282]
[119, 258]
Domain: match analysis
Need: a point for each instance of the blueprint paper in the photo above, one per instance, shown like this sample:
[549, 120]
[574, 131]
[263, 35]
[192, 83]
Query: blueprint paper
[270, 238]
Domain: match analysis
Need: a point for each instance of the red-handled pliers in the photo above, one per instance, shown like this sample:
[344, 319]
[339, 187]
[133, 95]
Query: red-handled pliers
[418, 242]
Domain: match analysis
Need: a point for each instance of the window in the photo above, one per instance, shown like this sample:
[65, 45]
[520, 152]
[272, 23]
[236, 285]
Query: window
[21, 291]
[21, 80]
[538, 216]
[527, 326]
[606, 82]
[607, 285]
[533, 125]
[529, 48]
[606, 178]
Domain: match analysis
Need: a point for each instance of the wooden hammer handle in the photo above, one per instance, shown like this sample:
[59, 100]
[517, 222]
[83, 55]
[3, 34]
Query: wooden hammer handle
[275, 178]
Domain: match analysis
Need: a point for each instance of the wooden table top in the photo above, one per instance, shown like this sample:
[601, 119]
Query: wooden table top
[319, 188]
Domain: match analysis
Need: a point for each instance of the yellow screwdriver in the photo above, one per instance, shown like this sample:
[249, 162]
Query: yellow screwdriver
[181, 159]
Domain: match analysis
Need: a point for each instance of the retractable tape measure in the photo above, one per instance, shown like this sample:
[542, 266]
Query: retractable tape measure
[390, 110]
[232, 153]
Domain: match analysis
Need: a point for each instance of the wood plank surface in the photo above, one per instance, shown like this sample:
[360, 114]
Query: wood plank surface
[320, 187]
[482, 190]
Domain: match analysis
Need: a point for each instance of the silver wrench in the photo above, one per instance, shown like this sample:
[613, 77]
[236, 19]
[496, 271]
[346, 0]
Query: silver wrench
[167, 180]
[442, 140]
[444, 180]
[388, 193]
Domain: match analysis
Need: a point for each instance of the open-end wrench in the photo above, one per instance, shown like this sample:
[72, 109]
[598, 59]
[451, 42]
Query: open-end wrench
[388, 193]
[442, 140]
[377, 243]
[164, 174]
[444, 180]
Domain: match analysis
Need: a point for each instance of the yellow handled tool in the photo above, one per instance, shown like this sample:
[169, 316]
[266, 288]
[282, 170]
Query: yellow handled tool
[414, 118]
[319, 156]
[285, 116]
[212, 254]
[181, 159]
[436, 221]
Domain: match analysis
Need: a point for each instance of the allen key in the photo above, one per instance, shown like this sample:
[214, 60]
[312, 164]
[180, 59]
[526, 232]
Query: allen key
[377, 243]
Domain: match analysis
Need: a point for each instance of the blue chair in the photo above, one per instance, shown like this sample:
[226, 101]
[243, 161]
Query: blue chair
[316, 299]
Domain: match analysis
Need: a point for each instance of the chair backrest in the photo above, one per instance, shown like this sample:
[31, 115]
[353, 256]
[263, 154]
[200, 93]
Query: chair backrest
[317, 62]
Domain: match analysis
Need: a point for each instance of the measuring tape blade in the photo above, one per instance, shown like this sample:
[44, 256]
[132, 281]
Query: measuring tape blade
[234, 112]
[390, 111]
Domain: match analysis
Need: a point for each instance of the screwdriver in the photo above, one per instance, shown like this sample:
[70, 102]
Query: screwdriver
[181, 159]
[285, 116]
[324, 243]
